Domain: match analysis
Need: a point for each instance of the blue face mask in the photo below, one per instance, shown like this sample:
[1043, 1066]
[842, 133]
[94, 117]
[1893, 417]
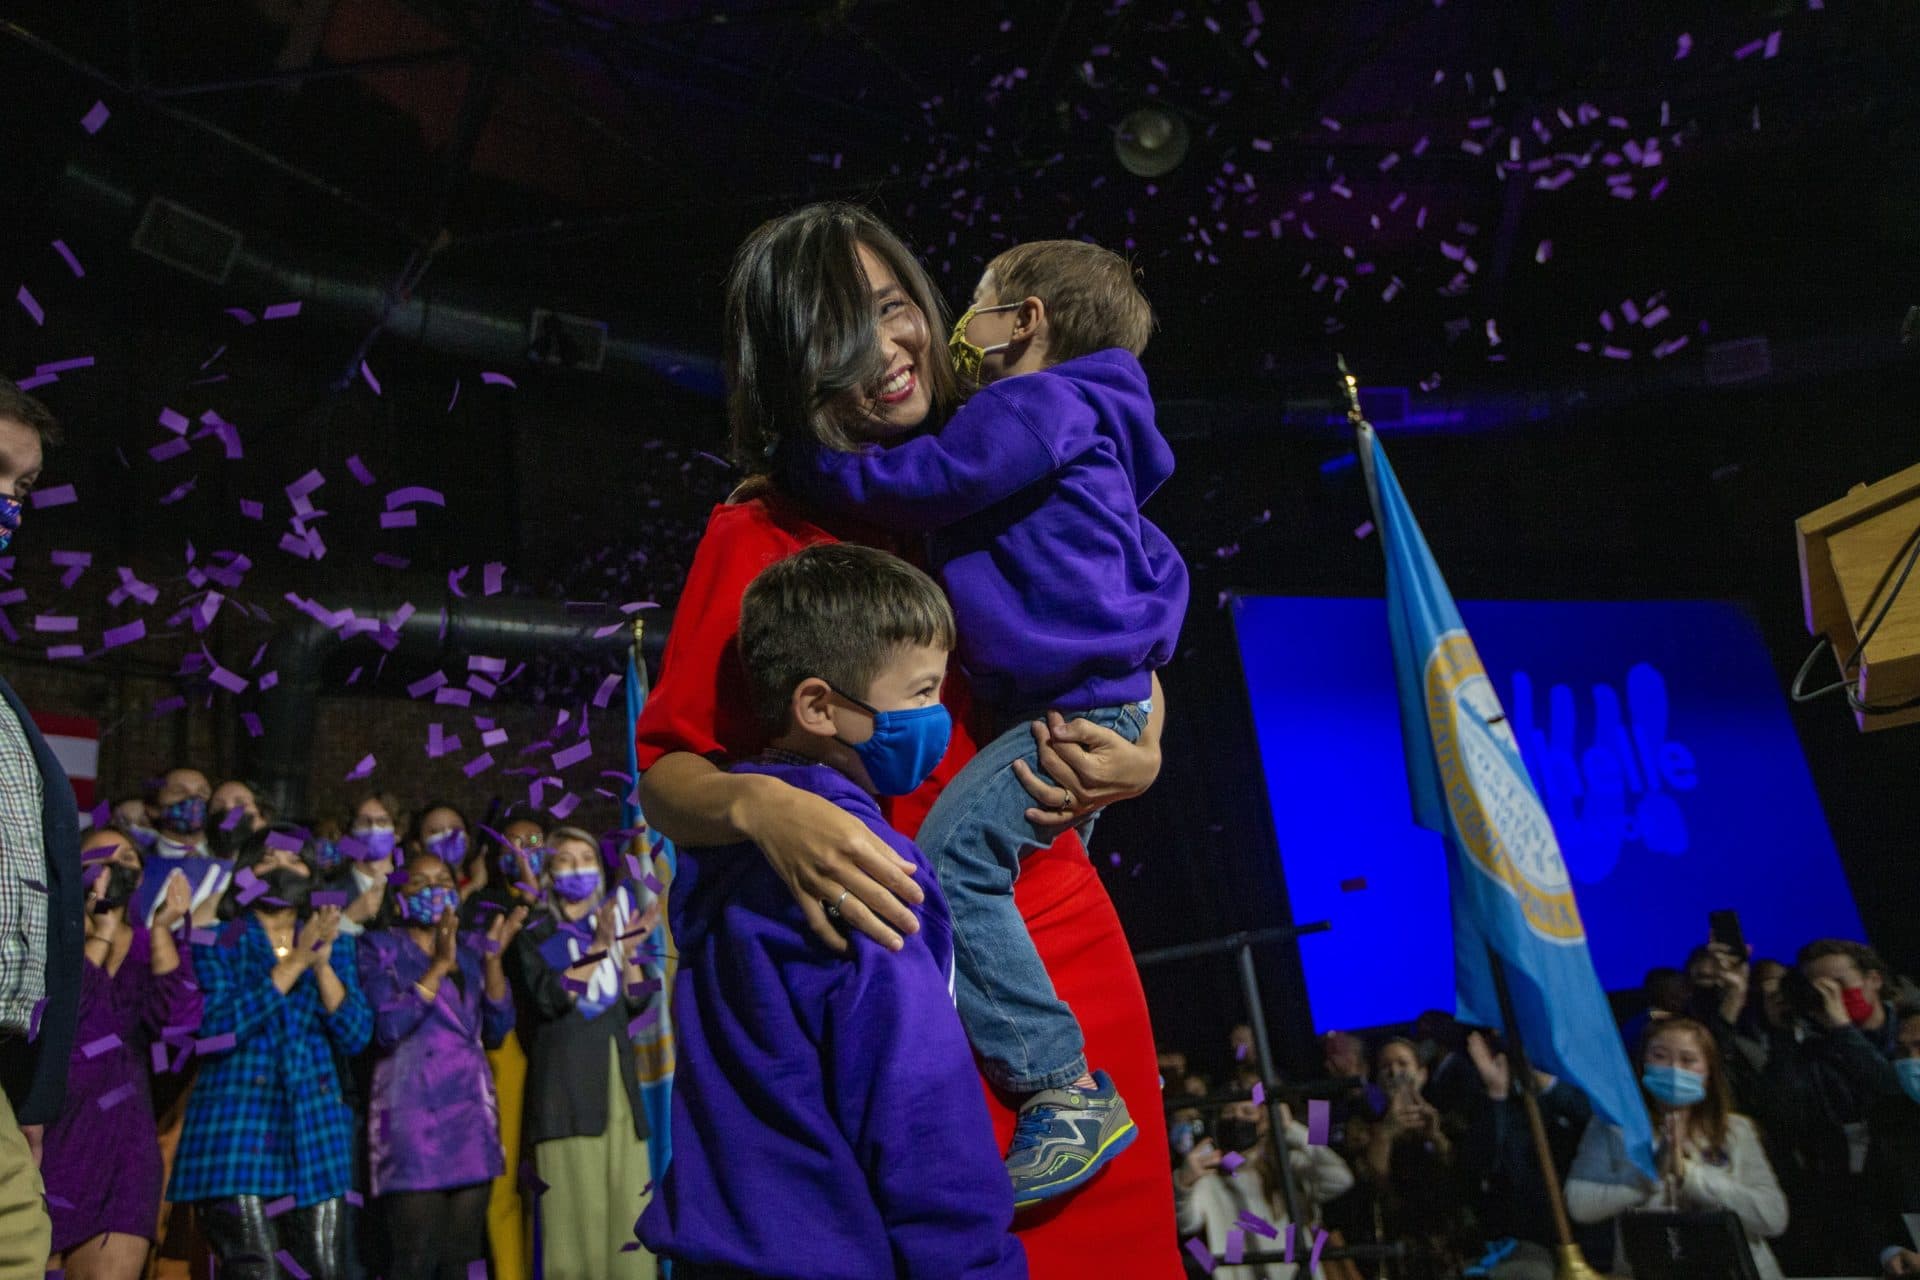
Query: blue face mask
[426, 905]
[1908, 1069]
[1675, 1086]
[905, 748]
[10, 509]
[184, 817]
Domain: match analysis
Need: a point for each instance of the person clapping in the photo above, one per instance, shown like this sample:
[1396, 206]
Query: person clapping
[438, 997]
[266, 1124]
[1211, 1192]
[1709, 1157]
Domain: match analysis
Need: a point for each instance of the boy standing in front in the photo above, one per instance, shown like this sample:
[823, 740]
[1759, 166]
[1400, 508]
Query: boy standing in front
[827, 1117]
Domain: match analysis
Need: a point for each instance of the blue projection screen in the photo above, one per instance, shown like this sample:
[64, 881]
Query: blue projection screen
[1655, 732]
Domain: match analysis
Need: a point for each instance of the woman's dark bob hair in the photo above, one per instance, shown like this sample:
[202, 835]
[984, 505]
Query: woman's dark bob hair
[802, 333]
[252, 850]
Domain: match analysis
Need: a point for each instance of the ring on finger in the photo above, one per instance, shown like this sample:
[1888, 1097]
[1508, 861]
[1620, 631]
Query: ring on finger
[833, 908]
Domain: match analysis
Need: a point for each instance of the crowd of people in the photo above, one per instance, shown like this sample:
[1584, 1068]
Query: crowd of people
[375, 1043]
[391, 1042]
[1787, 1095]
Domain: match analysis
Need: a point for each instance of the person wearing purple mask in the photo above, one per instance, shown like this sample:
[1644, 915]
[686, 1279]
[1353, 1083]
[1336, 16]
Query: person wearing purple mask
[134, 989]
[372, 845]
[440, 999]
[180, 848]
[578, 981]
[441, 830]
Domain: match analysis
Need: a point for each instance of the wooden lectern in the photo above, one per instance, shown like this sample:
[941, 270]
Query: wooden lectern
[1852, 555]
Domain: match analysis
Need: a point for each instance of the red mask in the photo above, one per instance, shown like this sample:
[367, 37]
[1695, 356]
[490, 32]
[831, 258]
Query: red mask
[1859, 1008]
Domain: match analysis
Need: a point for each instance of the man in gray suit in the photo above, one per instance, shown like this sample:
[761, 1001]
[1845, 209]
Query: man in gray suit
[40, 901]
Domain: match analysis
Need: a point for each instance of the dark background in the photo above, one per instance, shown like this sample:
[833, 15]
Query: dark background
[457, 165]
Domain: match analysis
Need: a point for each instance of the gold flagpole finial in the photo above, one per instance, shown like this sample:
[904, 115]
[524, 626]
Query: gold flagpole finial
[1351, 385]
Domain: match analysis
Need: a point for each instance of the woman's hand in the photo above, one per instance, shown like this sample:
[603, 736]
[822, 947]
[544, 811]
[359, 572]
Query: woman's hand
[367, 905]
[606, 926]
[176, 900]
[1494, 1071]
[827, 856]
[1203, 1160]
[1093, 767]
[313, 947]
[505, 929]
[446, 943]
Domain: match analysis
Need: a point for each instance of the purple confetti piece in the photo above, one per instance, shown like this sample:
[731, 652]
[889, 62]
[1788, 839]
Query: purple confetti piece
[1201, 1254]
[456, 396]
[1236, 1246]
[55, 623]
[73, 263]
[398, 519]
[490, 578]
[94, 1048]
[58, 496]
[33, 1019]
[203, 938]
[499, 380]
[293, 1268]
[363, 769]
[359, 469]
[252, 510]
[572, 755]
[1319, 1243]
[281, 311]
[366, 371]
[281, 841]
[1364, 530]
[1319, 1120]
[274, 1208]
[415, 493]
[478, 765]
[179, 491]
[1292, 1232]
[604, 693]
[158, 1052]
[66, 366]
[40, 380]
[31, 307]
[253, 726]
[214, 1044]
[1253, 1222]
[330, 898]
[114, 637]
[96, 117]
[1259, 1093]
[114, 1097]
[354, 1199]
[1230, 1163]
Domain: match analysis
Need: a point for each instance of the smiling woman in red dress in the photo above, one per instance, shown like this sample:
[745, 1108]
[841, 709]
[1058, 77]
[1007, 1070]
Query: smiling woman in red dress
[829, 339]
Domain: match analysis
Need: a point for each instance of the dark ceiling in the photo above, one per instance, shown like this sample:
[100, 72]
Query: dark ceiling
[1451, 190]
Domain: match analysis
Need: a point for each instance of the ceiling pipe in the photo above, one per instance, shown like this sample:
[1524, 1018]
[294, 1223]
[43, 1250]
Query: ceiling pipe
[469, 322]
[511, 628]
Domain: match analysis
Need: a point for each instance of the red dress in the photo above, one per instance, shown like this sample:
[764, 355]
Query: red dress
[1121, 1224]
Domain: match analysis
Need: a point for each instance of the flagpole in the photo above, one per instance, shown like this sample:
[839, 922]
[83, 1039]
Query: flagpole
[1569, 1262]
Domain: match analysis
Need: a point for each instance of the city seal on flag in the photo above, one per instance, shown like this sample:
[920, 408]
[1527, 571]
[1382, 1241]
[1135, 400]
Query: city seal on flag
[1501, 823]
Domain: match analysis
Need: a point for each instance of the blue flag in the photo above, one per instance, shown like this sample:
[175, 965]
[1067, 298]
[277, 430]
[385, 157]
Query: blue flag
[1509, 884]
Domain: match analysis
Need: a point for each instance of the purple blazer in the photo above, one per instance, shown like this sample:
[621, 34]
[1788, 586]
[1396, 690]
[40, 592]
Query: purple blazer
[433, 1119]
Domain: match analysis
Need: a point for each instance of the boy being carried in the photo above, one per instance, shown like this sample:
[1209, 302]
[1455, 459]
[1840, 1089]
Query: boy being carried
[827, 1117]
[1068, 600]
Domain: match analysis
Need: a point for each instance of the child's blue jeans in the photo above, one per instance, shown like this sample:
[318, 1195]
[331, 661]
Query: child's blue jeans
[975, 837]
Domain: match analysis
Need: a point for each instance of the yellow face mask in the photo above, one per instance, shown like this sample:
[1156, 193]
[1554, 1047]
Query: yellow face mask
[967, 356]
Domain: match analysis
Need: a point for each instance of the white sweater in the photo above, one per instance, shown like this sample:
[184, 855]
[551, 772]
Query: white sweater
[1603, 1184]
[1214, 1205]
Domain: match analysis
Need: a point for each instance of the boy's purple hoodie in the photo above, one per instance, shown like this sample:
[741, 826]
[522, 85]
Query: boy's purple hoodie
[1066, 595]
[828, 1121]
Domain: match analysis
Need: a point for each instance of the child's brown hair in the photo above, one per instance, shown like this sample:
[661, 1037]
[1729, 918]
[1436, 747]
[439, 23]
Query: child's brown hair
[1093, 298]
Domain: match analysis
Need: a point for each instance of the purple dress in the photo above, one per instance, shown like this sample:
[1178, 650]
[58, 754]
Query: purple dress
[102, 1162]
[434, 1122]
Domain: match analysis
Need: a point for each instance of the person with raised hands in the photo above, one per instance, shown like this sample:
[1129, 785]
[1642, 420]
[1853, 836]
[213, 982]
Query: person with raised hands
[439, 999]
[578, 983]
[266, 1152]
[136, 989]
[1709, 1156]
